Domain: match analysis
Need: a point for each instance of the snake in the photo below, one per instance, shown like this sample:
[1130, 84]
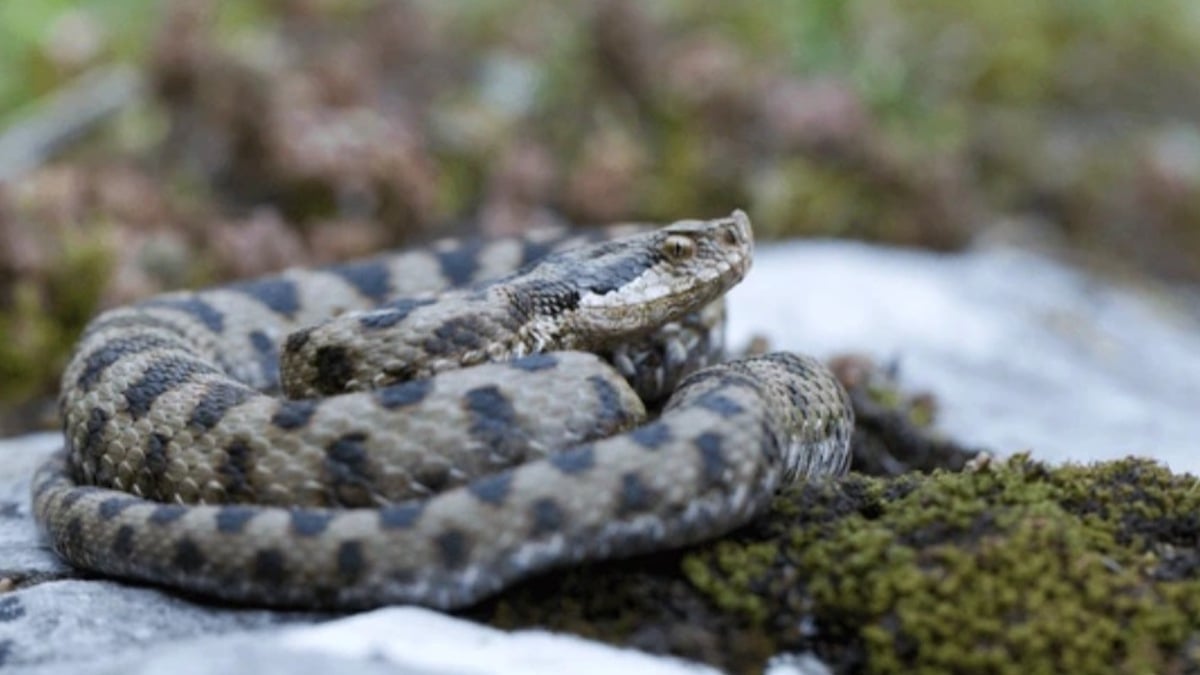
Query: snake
[430, 426]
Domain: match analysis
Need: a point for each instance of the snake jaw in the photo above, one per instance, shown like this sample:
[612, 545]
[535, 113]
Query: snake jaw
[673, 279]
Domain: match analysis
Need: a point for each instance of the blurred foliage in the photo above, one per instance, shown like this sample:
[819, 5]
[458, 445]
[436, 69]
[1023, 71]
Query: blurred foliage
[44, 43]
[314, 130]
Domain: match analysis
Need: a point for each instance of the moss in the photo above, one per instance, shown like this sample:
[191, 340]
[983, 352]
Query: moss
[1017, 567]
[45, 318]
[1007, 570]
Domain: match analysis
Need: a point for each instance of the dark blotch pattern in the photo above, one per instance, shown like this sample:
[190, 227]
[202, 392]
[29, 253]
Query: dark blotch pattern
[350, 561]
[400, 395]
[235, 469]
[94, 432]
[348, 470]
[113, 506]
[453, 547]
[492, 489]
[460, 263]
[167, 514]
[548, 517]
[188, 556]
[720, 404]
[369, 278]
[295, 341]
[160, 377]
[115, 350]
[293, 414]
[122, 545]
[73, 536]
[539, 297]
[310, 523]
[193, 307]
[334, 369]
[622, 270]
[39, 490]
[75, 494]
[233, 519]
[577, 460]
[391, 314]
[217, 400]
[610, 412]
[400, 516]
[267, 356]
[278, 294]
[269, 568]
[535, 362]
[154, 461]
[455, 336]
[651, 436]
[494, 422]
[635, 496]
[711, 457]
[11, 608]
[533, 251]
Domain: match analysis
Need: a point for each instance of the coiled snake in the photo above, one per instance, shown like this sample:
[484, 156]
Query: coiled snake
[432, 448]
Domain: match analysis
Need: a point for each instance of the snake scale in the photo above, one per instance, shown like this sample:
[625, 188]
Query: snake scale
[404, 430]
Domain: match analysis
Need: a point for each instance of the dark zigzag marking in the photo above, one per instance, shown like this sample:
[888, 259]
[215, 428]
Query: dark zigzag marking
[371, 278]
[162, 376]
[611, 412]
[275, 292]
[460, 263]
[494, 422]
[194, 307]
[218, 398]
[114, 350]
[94, 432]
[294, 414]
[267, 356]
[393, 313]
[348, 470]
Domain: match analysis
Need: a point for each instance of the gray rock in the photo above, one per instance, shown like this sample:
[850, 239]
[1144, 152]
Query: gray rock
[1021, 352]
[22, 552]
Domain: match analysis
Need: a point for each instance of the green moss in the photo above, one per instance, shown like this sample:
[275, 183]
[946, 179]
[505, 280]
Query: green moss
[1014, 568]
[46, 317]
[1019, 568]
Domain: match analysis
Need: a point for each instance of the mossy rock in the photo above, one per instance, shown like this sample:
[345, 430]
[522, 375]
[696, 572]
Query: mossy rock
[1016, 567]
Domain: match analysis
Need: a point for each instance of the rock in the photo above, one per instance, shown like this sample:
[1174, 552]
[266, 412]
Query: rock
[1019, 352]
[54, 621]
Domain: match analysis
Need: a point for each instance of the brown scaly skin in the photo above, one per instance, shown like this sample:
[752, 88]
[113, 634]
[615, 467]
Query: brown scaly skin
[180, 472]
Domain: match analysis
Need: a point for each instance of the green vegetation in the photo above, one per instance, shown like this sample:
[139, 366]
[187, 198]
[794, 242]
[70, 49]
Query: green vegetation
[1015, 568]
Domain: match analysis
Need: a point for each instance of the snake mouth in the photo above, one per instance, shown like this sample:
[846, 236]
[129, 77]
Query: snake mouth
[684, 266]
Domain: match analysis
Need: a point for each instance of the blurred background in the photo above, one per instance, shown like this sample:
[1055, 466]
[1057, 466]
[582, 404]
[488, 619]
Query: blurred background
[149, 145]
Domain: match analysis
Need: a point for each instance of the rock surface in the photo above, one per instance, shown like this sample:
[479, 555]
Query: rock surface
[1020, 352]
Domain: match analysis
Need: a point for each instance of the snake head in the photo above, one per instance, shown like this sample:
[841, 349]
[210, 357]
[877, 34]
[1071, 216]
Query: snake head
[603, 293]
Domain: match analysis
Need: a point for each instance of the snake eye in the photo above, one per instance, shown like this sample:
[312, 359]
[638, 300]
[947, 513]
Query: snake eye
[731, 237]
[678, 247]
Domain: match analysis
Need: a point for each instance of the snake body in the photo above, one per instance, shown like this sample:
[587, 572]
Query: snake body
[434, 446]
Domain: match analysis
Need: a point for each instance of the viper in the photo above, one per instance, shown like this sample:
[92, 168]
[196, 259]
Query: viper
[430, 426]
